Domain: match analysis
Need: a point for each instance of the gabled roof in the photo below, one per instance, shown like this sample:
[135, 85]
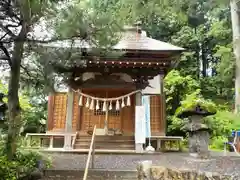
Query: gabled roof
[131, 40]
[139, 41]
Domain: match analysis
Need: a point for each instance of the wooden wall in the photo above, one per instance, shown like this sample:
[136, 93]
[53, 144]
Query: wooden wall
[157, 115]
[84, 119]
[57, 110]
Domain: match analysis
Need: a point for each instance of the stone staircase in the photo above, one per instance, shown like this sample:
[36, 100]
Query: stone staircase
[96, 174]
[106, 142]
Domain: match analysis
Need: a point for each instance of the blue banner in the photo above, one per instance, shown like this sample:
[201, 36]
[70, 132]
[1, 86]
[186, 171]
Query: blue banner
[146, 104]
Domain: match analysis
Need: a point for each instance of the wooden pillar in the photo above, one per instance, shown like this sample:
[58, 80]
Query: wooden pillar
[68, 125]
[138, 146]
[106, 116]
[163, 99]
[79, 114]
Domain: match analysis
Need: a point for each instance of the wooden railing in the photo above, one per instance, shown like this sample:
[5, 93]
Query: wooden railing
[49, 135]
[91, 153]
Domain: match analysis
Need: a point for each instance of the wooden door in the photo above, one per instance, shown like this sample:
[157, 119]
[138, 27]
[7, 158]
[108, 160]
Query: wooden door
[115, 120]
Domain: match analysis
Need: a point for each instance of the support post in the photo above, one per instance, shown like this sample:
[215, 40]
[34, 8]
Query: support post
[106, 116]
[68, 125]
[163, 99]
[51, 142]
[138, 146]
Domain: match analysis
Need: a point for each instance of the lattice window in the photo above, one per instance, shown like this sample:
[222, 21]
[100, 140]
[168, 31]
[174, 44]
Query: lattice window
[155, 113]
[112, 112]
[59, 113]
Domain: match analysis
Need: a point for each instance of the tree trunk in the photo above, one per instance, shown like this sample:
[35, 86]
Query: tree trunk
[14, 115]
[235, 8]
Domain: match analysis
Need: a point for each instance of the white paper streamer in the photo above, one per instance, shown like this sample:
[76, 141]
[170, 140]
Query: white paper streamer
[104, 106]
[117, 105]
[110, 106]
[92, 105]
[80, 103]
[123, 104]
[97, 105]
[87, 103]
[128, 101]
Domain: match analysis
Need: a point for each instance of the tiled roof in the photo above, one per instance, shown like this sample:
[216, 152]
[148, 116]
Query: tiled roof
[134, 41]
[130, 40]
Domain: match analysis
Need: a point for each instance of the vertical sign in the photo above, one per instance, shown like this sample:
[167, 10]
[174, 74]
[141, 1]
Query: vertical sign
[146, 104]
[140, 134]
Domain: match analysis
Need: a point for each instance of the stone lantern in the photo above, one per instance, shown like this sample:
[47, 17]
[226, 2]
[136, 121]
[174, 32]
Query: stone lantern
[198, 131]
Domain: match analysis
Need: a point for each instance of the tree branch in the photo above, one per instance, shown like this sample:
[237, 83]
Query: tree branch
[8, 31]
[5, 51]
[25, 70]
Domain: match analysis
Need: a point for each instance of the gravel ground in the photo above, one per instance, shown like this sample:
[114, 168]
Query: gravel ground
[224, 165]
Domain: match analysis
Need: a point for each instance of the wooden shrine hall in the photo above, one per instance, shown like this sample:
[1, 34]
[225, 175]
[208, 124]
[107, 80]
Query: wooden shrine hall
[106, 92]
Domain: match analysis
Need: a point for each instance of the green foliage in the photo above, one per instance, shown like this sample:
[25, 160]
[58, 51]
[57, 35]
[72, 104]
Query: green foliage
[34, 109]
[192, 101]
[23, 164]
[217, 142]
[223, 123]
[176, 88]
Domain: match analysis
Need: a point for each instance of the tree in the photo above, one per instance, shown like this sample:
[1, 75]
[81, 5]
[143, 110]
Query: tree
[17, 21]
[235, 10]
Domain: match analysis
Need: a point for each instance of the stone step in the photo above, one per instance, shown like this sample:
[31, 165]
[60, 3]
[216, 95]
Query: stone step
[96, 174]
[105, 146]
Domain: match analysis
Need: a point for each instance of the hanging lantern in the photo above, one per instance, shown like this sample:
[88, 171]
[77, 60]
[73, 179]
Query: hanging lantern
[123, 104]
[128, 101]
[110, 106]
[87, 103]
[97, 105]
[80, 103]
[104, 106]
[92, 105]
[117, 105]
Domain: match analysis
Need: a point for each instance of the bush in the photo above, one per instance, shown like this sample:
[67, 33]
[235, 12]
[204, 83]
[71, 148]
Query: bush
[221, 125]
[8, 169]
[217, 142]
[22, 166]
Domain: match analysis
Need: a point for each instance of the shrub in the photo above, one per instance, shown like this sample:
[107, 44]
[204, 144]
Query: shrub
[22, 166]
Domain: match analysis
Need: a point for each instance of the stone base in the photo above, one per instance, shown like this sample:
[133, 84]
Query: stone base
[139, 148]
[162, 173]
[67, 142]
[145, 172]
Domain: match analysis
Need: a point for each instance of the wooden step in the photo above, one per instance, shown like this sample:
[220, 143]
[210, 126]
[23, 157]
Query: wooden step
[106, 142]
[108, 137]
[106, 145]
